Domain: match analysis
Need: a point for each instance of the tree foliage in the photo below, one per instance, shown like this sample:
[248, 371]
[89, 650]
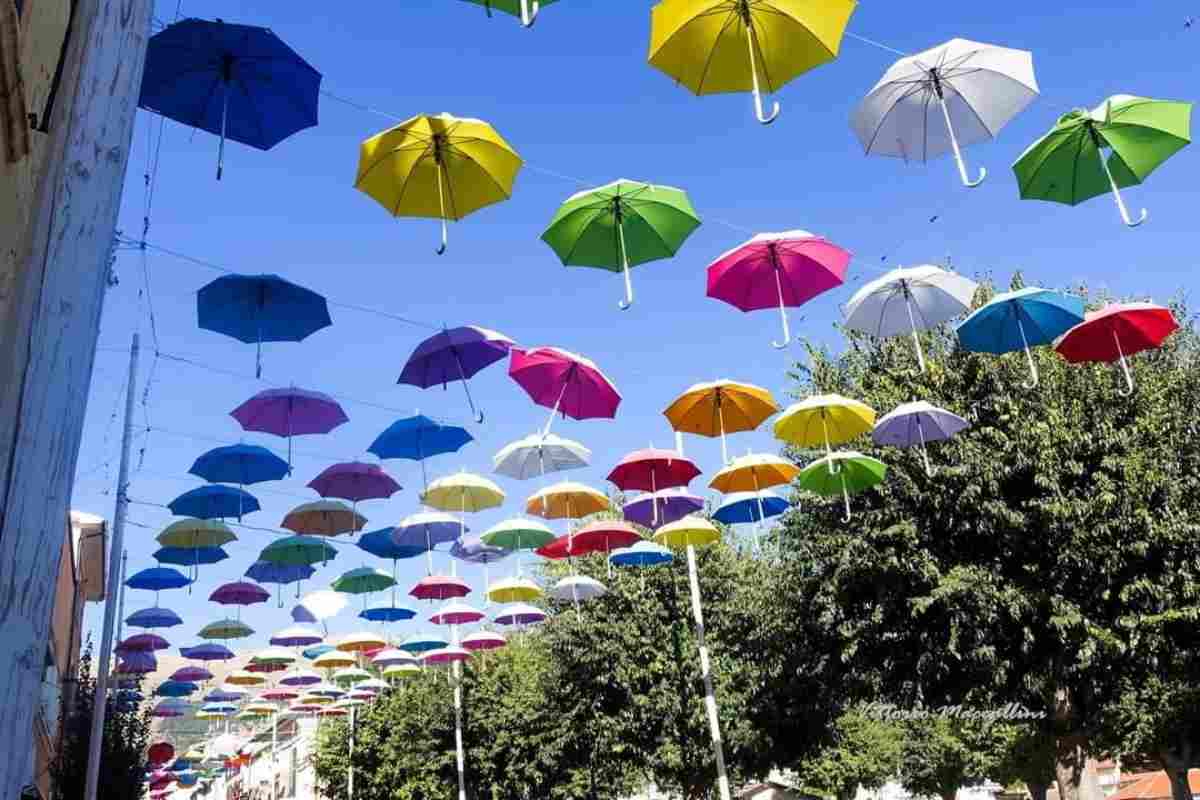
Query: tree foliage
[862, 751]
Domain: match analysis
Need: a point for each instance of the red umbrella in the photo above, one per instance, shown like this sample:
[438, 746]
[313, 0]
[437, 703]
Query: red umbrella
[160, 752]
[440, 587]
[652, 469]
[564, 382]
[596, 537]
[1116, 331]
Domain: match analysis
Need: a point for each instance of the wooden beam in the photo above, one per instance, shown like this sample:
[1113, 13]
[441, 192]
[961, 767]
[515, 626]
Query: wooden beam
[55, 250]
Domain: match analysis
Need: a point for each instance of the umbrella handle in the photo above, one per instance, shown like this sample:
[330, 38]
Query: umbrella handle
[628, 301]
[846, 497]
[765, 119]
[916, 336]
[441, 209]
[528, 15]
[1116, 193]
[1033, 370]
[1127, 392]
[958, 159]
[929, 470]
[787, 334]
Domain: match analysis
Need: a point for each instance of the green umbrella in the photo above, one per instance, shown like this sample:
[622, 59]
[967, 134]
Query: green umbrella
[226, 629]
[844, 472]
[297, 550]
[348, 676]
[621, 225]
[363, 580]
[518, 534]
[1068, 165]
[525, 9]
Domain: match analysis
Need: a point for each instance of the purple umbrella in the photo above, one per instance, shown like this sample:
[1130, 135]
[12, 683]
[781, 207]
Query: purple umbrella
[916, 424]
[474, 551]
[300, 613]
[355, 481]
[455, 355]
[143, 642]
[191, 674]
[138, 662]
[673, 504]
[207, 652]
[290, 412]
[240, 593]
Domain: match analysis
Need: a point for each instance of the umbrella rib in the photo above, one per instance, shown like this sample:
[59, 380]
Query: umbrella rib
[408, 178]
[919, 86]
[712, 51]
[1066, 139]
[974, 113]
[571, 253]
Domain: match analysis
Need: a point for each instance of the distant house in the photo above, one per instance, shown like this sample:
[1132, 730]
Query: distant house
[1152, 786]
[773, 790]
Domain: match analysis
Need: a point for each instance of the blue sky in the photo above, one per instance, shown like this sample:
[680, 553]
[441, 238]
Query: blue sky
[576, 98]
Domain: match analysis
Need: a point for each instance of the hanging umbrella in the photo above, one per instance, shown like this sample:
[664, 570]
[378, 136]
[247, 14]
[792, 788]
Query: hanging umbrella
[483, 640]
[717, 46]
[422, 643]
[440, 587]
[450, 654]
[653, 469]
[372, 685]
[427, 530]
[1116, 331]
[348, 676]
[907, 301]
[418, 438]
[235, 81]
[577, 588]
[278, 694]
[567, 500]
[156, 579]
[214, 501]
[620, 225]
[641, 554]
[455, 354]
[136, 663]
[520, 614]
[360, 642]
[917, 423]
[455, 613]
[401, 671]
[171, 707]
[193, 533]
[160, 753]
[464, 492]
[274, 655]
[324, 518]
[844, 472]
[226, 629]
[474, 551]
[389, 613]
[290, 412]
[518, 534]
[239, 593]
[1068, 165]
[652, 509]
[324, 604]
[243, 464]
[382, 544]
[535, 455]
[601, 536]
[207, 652]
[753, 473]
[363, 580]
[777, 270]
[564, 382]
[944, 99]
[333, 659]
[261, 308]
[1020, 320]
[142, 642]
[527, 10]
[191, 674]
[265, 667]
[514, 590]
[297, 551]
[185, 557]
[153, 617]
[746, 507]
[241, 677]
[296, 636]
[280, 574]
[355, 481]
[824, 419]
[393, 656]
[439, 167]
[721, 407]
[300, 677]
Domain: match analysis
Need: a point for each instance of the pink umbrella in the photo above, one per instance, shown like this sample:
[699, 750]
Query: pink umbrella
[278, 693]
[143, 643]
[355, 481]
[650, 470]
[440, 587]
[563, 381]
[456, 614]
[777, 270]
[483, 640]
[446, 655]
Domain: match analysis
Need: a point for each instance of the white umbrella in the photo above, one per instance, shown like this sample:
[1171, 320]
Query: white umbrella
[324, 604]
[538, 454]
[576, 588]
[944, 99]
[909, 300]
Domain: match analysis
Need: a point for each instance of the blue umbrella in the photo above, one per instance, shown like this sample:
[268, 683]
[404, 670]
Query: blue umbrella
[153, 617]
[242, 464]
[235, 81]
[381, 544]
[387, 613]
[300, 613]
[214, 502]
[642, 554]
[261, 308]
[207, 652]
[317, 649]
[1018, 321]
[270, 572]
[423, 643]
[742, 507]
[175, 689]
[189, 556]
[156, 579]
[417, 438]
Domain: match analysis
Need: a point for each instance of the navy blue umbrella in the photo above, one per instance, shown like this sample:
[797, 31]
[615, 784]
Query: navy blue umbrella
[157, 578]
[387, 614]
[242, 464]
[270, 572]
[175, 689]
[235, 81]
[417, 438]
[214, 502]
[381, 544]
[189, 556]
[261, 308]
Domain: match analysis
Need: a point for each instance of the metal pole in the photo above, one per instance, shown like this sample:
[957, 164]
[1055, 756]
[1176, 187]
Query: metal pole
[121, 603]
[350, 771]
[710, 700]
[100, 706]
[456, 670]
[274, 742]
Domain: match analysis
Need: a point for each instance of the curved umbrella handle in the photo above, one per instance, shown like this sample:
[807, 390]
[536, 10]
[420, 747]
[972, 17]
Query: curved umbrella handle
[846, 497]
[1033, 370]
[628, 301]
[441, 208]
[1116, 193]
[442, 248]
[787, 334]
[765, 119]
[529, 17]
[758, 110]
[1128, 391]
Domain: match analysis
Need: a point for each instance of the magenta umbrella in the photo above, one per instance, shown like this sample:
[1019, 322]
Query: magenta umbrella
[564, 382]
[354, 481]
[142, 642]
[777, 270]
[455, 355]
[240, 593]
[290, 412]
[652, 469]
[190, 674]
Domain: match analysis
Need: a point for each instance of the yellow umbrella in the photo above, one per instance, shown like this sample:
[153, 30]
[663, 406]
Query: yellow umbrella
[463, 492]
[566, 500]
[441, 167]
[753, 473]
[209, 715]
[514, 590]
[243, 677]
[358, 642]
[720, 407]
[714, 46]
[401, 671]
[194, 533]
[824, 419]
[260, 709]
[314, 700]
[324, 518]
[334, 659]
[691, 531]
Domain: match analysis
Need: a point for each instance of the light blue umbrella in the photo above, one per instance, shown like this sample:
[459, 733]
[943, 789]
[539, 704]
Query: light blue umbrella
[317, 650]
[423, 643]
[153, 617]
[744, 507]
[641, 554]
[1020, 320]
[917, 424]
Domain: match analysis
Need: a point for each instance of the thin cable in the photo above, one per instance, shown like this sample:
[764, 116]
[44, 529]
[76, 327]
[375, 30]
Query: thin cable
[874, 43]
[364, 107]
[256, 528]
[203, 437]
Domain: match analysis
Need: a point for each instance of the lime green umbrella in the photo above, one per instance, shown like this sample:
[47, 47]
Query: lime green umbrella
[297, 550]
[226, 629]
[621, 225]
[363, 580]
[843, 472]
[527, 10]
[1069, 164]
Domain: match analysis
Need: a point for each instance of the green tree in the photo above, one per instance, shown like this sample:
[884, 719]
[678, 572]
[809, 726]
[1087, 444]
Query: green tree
[863, 751]
[941, 754]
[1027, 758]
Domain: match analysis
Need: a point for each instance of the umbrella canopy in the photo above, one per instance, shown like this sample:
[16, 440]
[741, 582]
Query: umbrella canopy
[191, 674]
[427, 530]
[297, 636]
[189, 557]
[514, 590]
[261, 308]
[193, 533]
[652, 469]
[391, 656]
[136, 663]
[1020, 320]
[576, 588]
[355, 481]
[348, 676]
[455, 613]
[160, 752]
[844, 472]
[226, 629]
[447, 655]
[335, 659]
[268, 572]
[207, 652]
[324, 604]
[157, 578]
[324, 518]
[1116, 331]
[909, 300]
[300, 677]
[359, 642]
[418, 438]
[567, 500]
[242, 464]
[273, 655]
[620, 225]
[475, 551]
[440, 587]
[401, 671]
[261, 709]
[297, 551]
[278, 693]
[382, 544]
[239, 593]
[564, 382]
[943, 99]
[483, 640]
[439, 167]
[690, 531]
[535, 455]
[455, 354]
[463, 492]
[917, 424]
[520, 614]
[153, 617]
[1068, 164]
[388, 613]
[363, 580]
[641, 554]
[720, 407]
[518, 534]
[142, 642]
[290, 412]
[716, 46]
[176, 689]
[653, 509]
[265, 667]
[777, 269]
[824, 419]
[171, 707]
[214, 502]
[243, 677]
[753, 473]
[527, 10]
[601, 536]
[422, 643]
[745, 507]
